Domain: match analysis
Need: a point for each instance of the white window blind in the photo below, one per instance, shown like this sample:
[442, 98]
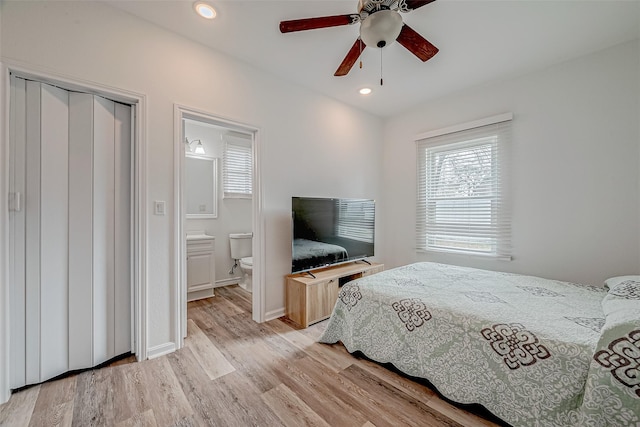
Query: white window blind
[462, 201]
[237, 173]
[356, 219]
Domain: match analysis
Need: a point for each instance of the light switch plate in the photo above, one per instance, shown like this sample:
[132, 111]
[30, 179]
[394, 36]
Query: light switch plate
[159, 207]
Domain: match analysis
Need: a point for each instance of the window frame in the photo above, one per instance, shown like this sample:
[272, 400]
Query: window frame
[245, 189]
[491, 226]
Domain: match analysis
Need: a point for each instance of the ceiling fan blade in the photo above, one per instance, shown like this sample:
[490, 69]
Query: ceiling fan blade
[410, 5]
[320, 22]
[351, 58]
[416, 44]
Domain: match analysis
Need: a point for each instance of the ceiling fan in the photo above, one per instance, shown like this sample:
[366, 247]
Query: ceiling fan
[380, 25]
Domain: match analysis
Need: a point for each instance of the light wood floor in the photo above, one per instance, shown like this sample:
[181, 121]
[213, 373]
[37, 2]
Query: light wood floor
[234, 372]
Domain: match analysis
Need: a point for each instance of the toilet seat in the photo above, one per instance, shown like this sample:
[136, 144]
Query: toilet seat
[246, 262]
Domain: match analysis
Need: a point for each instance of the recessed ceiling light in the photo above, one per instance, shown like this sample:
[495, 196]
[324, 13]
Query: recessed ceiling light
[204, 9]
[365, 91]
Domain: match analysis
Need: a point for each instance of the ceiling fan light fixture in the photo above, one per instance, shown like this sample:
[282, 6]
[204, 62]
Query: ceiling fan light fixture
[204, 9]
[381, 28]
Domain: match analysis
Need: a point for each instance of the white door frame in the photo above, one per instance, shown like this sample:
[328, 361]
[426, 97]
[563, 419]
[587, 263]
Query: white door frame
[180, 250]
[139, 225]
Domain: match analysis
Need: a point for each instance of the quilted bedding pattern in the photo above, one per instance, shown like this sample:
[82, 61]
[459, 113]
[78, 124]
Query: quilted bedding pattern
[533, 351]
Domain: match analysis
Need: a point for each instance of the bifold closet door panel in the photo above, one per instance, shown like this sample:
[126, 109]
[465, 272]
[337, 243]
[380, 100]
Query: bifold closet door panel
[123, 218]
[17, 184]
[54, 231]
[80, 230]
[103, 230]
[32, 233]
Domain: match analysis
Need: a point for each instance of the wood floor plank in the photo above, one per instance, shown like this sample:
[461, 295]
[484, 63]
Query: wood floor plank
[412, 388]
[165, 395]
[130, 392]
[204, 313]
[291, 409]
[93, 386]
[420, 391]
[200, 316]
[19, 409]
[206, 353]
[141, 419]
[257, 361]
[237, 296]
[205, 398]
[224, 306]
[254, 410]
[226, 401]
[54, 406]
[308, 380]
[368, 406]
[246, 346]
[312, 331]
[334, 360]
[413, 412]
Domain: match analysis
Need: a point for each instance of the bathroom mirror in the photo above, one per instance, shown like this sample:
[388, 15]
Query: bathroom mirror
[201, 186]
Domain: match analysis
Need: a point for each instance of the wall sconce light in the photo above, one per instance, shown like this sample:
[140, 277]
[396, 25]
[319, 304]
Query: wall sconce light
[199, 149]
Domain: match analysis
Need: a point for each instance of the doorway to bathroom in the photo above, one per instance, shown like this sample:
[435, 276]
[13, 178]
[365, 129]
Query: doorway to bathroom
[218, 201]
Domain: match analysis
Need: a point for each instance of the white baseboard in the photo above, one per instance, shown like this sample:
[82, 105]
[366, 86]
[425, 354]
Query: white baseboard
[274, 314]
[227, 282]
[161, 350]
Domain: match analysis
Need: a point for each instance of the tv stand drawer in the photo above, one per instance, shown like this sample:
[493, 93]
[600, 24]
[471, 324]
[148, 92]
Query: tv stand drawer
[311, 299]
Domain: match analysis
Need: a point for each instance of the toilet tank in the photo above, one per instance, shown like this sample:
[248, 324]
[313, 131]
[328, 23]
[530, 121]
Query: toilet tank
[240, 245]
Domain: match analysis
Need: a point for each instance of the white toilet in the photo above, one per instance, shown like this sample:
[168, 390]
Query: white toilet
[241, 245]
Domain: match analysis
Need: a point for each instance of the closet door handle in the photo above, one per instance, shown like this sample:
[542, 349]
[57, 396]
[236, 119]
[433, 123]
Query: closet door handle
[15, 202]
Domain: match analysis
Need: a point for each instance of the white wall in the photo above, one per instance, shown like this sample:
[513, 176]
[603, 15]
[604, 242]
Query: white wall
[311, 145]
[575, 168]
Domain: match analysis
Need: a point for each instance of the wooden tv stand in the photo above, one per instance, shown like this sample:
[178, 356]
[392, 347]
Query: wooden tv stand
[309, 300]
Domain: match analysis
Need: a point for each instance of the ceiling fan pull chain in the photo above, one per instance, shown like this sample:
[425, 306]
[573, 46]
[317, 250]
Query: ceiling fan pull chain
[360, 44]
[381, 82]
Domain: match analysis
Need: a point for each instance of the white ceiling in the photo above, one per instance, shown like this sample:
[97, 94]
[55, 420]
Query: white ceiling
[479, 40]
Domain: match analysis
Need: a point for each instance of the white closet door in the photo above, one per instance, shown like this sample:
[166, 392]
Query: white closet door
[54, 230]
[80, 230]
[103, 236]
[71, 268]
[123, 291]
[32, 233]
[17, 183]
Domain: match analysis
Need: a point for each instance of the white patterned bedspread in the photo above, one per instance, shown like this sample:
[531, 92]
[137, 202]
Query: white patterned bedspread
[535, 352]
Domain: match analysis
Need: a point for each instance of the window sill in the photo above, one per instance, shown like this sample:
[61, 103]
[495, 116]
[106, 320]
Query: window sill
[467, 254]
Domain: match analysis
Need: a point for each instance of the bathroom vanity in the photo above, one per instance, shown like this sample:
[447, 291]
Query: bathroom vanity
[201, 271]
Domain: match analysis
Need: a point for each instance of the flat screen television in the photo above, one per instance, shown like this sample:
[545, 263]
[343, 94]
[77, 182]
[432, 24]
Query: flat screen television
[330, 231]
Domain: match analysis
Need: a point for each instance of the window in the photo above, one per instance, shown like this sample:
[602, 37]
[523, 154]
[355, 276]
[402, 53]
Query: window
[237, 173]
[462, 197]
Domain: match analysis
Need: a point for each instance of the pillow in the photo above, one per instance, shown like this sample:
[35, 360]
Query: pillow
[613, 281]
[627, 287]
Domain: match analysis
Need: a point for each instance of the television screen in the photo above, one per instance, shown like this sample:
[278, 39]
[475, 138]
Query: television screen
[331, 231]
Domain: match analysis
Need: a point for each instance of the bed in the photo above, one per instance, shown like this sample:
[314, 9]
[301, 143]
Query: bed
[534, 352]
[312, 253]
